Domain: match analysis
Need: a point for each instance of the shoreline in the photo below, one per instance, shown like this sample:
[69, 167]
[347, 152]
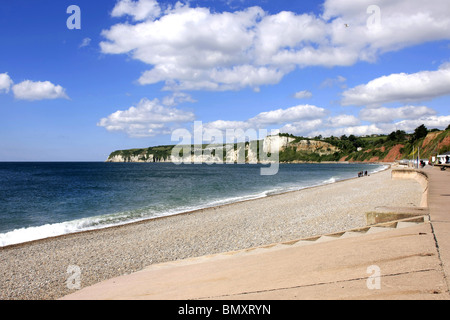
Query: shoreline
[39, 270]
[146, 220]
[412, 254]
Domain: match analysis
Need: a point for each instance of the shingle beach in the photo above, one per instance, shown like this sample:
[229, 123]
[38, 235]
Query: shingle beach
[39, 270]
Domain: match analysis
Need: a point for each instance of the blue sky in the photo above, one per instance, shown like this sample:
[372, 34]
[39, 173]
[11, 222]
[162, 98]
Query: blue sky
[138, 70]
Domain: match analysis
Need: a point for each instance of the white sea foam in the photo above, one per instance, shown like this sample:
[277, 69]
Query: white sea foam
[40, 232]
[331, 180]
[379, 169]
[100, 222]
[29, 234]
[58, 229]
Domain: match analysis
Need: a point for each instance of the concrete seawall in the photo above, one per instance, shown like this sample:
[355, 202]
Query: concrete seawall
[420, 176]
[387, 214]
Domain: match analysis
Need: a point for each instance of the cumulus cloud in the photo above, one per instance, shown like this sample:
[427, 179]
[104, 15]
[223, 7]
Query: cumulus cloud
[272, 118]
[321, 126]
[402, 24]
[86, 42]
[197, 49]
[311, 121]
[361, 130]
[385, 115]
[5, 82]
[303, 120]
[331, 82]
[224, 125]
[177, 98]
[38, 90]
[401, 87]
[149, 118]
[302, 128]
[280, 116]
[312, 129]
[139, 10]
[343, 120]
[440, 122]
[310, 116]
[305, 94]
[215, 79]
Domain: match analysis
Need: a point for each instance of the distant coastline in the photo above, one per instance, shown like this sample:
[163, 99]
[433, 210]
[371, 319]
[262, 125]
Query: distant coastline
[292, 149]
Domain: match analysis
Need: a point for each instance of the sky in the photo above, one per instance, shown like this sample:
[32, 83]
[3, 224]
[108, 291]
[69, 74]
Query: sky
[77, 83]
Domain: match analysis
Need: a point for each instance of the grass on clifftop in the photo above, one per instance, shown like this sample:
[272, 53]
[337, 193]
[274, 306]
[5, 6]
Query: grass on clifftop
[397, 145]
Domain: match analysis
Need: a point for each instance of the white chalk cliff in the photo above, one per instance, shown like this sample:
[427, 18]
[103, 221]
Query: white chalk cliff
[237, 153]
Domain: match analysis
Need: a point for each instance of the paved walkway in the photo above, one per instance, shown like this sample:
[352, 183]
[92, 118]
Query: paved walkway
[407, 259]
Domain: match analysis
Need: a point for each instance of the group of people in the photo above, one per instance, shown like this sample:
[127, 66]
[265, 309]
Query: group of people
[362, 174]
[447, 160]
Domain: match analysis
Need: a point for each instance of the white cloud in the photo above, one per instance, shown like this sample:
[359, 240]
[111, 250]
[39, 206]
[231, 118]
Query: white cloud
[305, 94]
[216, 80]
[281, 116]
[402, 24]
[149, 118]
[321, 126]
[224, 125]
[86, 42]
[176, 98]
[343, 120]
[401, 87]
[431, 122]
[197, 49]
[355, 130]
[38, 90]
[5, 82]
[311, 121]
[302, 128]
[331, 82]
[408, 125]
[384, 114]
[139, 10]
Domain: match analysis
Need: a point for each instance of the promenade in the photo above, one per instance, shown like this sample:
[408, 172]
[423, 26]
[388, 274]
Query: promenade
[408, 258]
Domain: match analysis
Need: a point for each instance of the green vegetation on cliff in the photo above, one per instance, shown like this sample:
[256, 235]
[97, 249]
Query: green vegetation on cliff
[397, 145]
[158, 153]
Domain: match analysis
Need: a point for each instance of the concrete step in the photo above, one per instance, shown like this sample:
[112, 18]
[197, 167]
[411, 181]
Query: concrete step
[304, 242]
[326, 239]
[401, 225]
[377, 230]
[351, 234]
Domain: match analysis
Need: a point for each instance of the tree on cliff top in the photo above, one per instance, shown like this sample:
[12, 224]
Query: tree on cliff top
[420, 132]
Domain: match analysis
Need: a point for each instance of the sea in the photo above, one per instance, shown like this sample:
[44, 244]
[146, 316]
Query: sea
[41, 200]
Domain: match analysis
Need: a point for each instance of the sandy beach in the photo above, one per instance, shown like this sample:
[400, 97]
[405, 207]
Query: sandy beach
[38, 270]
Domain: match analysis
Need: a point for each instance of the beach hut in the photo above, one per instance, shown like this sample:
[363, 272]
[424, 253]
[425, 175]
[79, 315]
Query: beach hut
[443, 158]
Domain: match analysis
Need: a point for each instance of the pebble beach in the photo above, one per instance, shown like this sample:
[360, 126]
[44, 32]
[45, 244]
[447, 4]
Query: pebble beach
[39, 270]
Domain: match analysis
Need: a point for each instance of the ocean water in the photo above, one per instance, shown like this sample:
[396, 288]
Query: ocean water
[40, 200]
